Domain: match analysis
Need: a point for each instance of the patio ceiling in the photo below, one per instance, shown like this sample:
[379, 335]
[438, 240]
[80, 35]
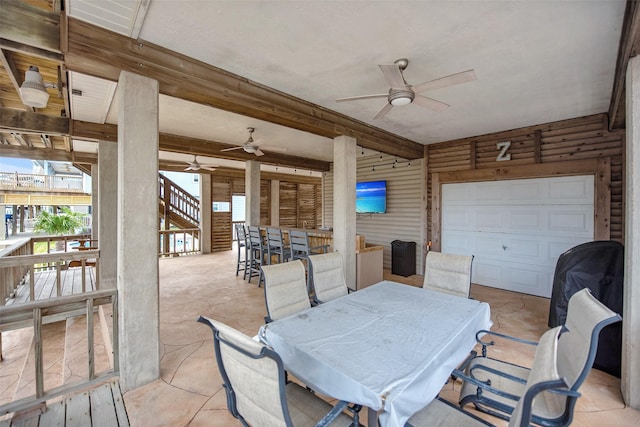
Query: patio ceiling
[280, 66]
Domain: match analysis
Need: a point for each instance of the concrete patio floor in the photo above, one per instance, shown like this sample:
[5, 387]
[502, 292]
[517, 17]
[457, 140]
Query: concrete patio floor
[190, 391]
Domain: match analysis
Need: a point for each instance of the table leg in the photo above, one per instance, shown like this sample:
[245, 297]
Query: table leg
[372, 418]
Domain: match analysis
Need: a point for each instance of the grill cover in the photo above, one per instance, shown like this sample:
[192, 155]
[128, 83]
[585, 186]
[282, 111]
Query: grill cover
[598, 266]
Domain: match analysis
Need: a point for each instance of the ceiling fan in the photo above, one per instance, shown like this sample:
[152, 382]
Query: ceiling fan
[402, 93]
[196, 166]
[251, 146]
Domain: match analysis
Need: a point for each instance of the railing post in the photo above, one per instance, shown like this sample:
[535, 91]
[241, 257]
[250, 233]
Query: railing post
[90, 350]
[37, 332]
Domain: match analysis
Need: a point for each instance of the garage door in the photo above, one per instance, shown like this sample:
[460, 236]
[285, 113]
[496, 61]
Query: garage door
[517, 229]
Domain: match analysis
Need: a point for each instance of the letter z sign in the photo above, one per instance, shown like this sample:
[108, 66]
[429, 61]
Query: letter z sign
[503, 147]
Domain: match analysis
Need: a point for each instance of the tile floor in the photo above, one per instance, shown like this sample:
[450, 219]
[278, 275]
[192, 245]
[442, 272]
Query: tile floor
[189, 392]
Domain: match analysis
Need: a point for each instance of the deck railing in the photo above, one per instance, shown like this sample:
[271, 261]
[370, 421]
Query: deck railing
[176, 242]
[35, 314]
[31, 182]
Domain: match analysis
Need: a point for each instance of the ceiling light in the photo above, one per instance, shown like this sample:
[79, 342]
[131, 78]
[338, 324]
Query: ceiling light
[401, 97]
[33, 90]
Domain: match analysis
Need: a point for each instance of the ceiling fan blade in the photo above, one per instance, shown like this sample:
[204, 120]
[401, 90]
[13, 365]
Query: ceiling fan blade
[209, 168]
[450, 80]
[430, 103]
[277, 149]
[234, 148]
[190, 168]
[393, 75]
[383, 112]
[258, 152]
[354, 98]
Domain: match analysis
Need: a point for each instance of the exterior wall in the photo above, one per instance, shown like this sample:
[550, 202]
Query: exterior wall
[554, 145]
[402, 221]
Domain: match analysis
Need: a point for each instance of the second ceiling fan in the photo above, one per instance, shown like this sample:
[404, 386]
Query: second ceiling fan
[401, 93]
[253, 147]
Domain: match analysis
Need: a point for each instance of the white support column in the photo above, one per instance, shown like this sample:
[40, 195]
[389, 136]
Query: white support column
[107, 215]
[252, 192]
[344, 204]
[275, 202]
[138, 303]
[95, 201]
[631, 311]
[205, 213]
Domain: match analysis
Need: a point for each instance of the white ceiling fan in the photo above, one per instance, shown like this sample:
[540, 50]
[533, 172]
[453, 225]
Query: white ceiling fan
[252, 147]
[196, 166]
[402, 93]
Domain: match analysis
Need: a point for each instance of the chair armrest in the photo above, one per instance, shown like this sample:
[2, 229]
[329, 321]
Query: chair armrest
[323, 247]
[485, 386]
[481, 333]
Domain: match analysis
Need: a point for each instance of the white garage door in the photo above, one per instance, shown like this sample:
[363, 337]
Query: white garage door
[517, 229]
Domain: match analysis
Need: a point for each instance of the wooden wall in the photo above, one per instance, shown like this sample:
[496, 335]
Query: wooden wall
[563, 147]
[300, 201]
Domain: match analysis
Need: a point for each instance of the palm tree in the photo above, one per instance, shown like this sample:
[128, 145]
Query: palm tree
[58, 225]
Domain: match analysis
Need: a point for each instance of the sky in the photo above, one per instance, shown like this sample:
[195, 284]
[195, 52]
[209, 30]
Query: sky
[15, 165]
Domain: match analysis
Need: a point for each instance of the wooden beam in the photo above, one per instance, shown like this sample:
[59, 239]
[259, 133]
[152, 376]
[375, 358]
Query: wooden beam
[101, 53]
[201, 147]
[227, 172]
[31, 153]
[30, 50]
[12, 72]
[33, 122]
[629, 47]
[30, 26]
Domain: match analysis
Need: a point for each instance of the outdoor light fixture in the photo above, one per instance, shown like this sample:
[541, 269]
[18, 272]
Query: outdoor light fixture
[33, 91]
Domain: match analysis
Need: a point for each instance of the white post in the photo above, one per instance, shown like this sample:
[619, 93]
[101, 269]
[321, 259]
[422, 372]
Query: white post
[344, 204]
[107, 214]
[205, 213]
[138, 299]
[631, 310]
[252, 192]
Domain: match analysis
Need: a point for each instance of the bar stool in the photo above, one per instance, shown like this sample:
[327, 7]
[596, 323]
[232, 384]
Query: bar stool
[243, 260]
[276, 246]
[257, 253]
[300, 249]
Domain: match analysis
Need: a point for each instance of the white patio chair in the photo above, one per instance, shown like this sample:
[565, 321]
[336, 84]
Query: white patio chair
[257, 391]
[285, 289]
[544, 378]
[493, 386]
[448, 273]
[327, 277]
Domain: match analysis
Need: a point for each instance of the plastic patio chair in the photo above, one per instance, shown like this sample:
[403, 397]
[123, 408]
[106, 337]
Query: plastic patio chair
[544, 379]
[257, 391]
[448, 273]
[327, 277]
[285, 289]
[493, 386]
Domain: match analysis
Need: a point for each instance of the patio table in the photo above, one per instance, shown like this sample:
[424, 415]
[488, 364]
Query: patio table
[389, 347]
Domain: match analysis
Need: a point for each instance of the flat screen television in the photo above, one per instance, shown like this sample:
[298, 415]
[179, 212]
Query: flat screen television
[371, 197]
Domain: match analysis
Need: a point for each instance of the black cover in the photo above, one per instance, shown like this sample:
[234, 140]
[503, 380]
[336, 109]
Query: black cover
[599, 266]
[403, 258]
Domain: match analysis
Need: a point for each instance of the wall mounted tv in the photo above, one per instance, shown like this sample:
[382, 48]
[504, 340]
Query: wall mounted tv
[371, 197]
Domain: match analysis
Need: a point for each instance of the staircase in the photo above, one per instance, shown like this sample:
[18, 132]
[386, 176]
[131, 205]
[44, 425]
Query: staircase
[176, 206]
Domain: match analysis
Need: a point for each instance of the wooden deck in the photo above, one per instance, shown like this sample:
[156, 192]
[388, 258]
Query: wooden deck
[45, 284]
[99, 406]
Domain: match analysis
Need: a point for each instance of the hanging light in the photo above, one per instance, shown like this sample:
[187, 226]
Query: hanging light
[33, 90]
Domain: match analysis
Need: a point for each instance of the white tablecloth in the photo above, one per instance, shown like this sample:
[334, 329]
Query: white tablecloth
[389, 346]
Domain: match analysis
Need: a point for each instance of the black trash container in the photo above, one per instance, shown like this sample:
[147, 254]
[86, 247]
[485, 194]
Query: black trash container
[403, 258]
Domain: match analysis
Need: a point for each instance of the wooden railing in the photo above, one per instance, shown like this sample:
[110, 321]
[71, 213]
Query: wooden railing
[35, 314]
[29, 182]
[18, 260]
[176, 242]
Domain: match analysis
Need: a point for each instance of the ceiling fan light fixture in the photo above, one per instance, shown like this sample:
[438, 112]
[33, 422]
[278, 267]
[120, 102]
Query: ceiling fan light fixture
[32, 91]
[401, 97]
